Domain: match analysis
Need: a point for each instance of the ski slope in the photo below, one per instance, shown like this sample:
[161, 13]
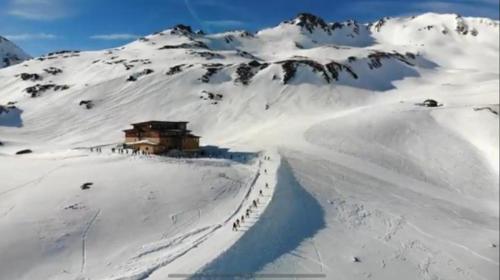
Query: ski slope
[357, 169]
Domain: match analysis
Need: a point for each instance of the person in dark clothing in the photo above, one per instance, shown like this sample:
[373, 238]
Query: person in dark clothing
[260, 192]
[242, 219]
[254, 203]
[267, 185]
[235, 228]
[248, 213]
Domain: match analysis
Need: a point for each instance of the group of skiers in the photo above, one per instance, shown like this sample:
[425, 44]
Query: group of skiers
[120, 151]
[97, 149]
[254, 204]
[241, 220]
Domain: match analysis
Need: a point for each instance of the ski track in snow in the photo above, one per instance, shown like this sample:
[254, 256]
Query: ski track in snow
[8, 211]
[318, 254]
[209, 231]
[430, 236]
[172, 242]
[84, 240]
[34, 181]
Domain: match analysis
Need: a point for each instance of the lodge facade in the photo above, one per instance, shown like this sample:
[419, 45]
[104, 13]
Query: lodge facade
[158, 137]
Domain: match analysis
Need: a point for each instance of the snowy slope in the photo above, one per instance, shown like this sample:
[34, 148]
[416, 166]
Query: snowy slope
[357, 169]
[10, 54]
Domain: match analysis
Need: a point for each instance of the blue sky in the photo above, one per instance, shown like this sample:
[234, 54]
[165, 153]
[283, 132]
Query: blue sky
[41, 26]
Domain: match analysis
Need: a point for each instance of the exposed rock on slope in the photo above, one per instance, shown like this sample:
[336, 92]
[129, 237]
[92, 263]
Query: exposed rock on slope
[310, 22]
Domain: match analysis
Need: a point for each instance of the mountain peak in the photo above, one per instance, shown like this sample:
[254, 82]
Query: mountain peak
[182, 29]
[310, 22]
[10, 54]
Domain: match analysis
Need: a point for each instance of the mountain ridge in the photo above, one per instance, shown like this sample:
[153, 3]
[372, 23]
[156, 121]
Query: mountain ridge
[324, 124]
[10, 54]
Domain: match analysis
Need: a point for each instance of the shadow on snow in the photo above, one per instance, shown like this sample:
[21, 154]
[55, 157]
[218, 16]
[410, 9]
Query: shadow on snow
[10, 117]
[292, 216]
[220, 152]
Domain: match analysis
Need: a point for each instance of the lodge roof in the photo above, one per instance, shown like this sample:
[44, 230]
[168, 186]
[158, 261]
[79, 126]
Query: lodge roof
[166, 128]
[158, 122]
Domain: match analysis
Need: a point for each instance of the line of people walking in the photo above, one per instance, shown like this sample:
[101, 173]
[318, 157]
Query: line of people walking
[121, 151]
[239, 221]
[97, 149]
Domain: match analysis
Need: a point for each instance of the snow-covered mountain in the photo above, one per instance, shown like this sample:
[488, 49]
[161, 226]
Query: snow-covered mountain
[10, 54]
[357, 170]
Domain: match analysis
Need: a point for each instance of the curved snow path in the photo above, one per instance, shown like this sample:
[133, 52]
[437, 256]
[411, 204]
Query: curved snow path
[293, 216]
[178, 256]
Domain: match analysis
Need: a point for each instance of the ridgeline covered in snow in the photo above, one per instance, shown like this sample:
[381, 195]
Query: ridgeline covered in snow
[10, 54]
[360, 180]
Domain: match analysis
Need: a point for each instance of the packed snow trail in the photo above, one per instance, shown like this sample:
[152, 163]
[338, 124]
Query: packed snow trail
[292, 217]
[196, 248]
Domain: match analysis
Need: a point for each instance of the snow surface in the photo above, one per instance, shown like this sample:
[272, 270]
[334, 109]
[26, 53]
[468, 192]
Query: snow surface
[357, 169]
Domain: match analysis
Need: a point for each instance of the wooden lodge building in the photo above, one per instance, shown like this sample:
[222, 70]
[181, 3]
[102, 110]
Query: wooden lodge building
[157, 137]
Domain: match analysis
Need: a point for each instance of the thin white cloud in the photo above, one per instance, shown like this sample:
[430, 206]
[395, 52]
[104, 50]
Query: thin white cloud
[31, 36]
[224, 23]
[463, 8]
[116, 36]
[40, 9]
[195, 16]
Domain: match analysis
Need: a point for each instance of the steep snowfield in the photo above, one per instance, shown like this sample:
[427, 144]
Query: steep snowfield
[10, 54]
[357, 168]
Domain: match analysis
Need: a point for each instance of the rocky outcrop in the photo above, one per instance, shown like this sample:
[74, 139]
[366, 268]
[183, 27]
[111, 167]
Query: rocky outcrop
[88, 104]
[52, 70]
[191, 45]
[64, 52]
[135, 76]
[207, 95]
[181, 29]
[335, 68]
[330, 71]
[207, 55]
[59, 54]
[245, 54]
[174, 70]
[310, 22]
[377, 57]
[290, 68]
[212, 69]
[379, 24]
[38, 89]
[246, 71]
[461, 27]
[30, 77]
